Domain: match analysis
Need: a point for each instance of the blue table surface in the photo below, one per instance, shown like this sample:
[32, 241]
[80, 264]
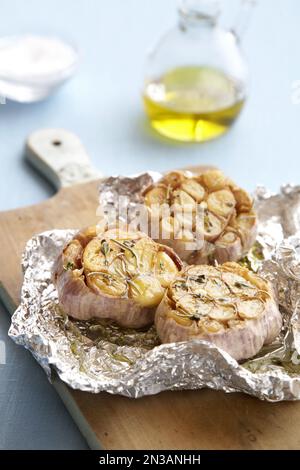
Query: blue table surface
[102, 105]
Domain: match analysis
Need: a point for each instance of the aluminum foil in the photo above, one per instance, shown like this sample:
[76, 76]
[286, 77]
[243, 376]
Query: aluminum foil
[96, 356]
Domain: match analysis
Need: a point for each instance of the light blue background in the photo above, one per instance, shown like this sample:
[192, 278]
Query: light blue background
[102, 105]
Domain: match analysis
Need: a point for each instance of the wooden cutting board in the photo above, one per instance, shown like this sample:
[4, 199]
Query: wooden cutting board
[201, 419]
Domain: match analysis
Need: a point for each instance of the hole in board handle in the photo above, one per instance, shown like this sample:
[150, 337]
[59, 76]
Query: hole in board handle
[56, 143]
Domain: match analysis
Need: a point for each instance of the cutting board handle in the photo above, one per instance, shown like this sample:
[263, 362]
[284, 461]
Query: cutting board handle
[60, 156]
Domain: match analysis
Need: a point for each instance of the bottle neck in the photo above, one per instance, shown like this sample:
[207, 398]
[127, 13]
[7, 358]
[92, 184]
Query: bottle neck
[198, 14]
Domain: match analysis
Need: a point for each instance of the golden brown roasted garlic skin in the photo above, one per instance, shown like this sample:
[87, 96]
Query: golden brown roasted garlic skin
[227, 305]
[228, 221]
[116, 275]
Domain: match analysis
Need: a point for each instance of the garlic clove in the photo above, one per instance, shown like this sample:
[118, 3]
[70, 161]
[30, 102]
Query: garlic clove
[165, 269]
[250, 308]
[222, 313]
[214, 180]
[107, 283]
[244, 202]
[194, 189]
[213, 226]
[156, 195]
[146, 290]
[221, 203]
[211, 326]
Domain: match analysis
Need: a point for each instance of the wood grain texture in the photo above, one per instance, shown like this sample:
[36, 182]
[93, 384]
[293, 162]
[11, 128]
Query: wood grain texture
[172, 420]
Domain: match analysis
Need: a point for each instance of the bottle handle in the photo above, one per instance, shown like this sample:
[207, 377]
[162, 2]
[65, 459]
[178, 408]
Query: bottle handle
[243, 18]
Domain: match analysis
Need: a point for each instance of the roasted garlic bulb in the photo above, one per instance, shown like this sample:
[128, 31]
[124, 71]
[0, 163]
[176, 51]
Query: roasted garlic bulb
[204, 218]
[227, 305]
[116, 275]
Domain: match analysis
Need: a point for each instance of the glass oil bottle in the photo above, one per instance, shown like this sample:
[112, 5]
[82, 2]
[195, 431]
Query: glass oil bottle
[196, 81]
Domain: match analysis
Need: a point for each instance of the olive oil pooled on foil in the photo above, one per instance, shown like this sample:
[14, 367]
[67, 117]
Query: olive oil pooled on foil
[193, 104]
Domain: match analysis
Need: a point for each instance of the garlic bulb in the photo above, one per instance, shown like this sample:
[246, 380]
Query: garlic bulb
[228, 305]
[210, 218]
[117, 275]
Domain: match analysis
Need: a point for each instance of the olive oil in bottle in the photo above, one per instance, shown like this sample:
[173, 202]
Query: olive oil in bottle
[194, 103]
